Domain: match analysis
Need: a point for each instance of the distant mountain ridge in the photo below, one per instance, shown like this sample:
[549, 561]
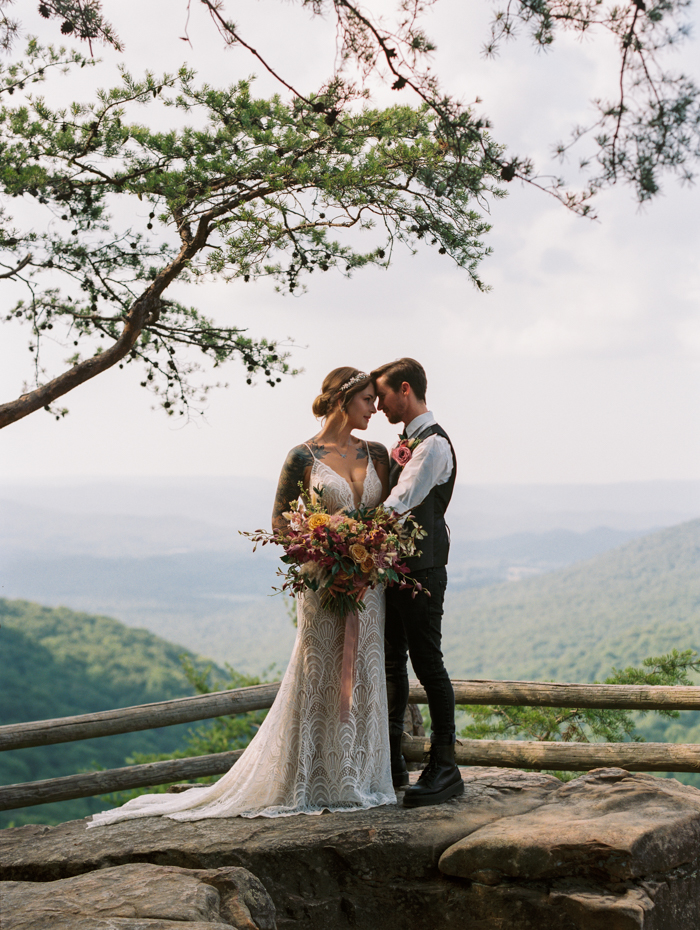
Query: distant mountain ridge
[574, 623]
[167, 555]
[44, 531]
[476, 511]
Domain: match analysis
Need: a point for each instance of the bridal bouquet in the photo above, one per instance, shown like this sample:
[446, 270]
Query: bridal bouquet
[343, 554]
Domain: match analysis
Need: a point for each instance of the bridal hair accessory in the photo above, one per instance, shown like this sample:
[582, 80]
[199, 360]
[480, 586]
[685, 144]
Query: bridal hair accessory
[360, 376]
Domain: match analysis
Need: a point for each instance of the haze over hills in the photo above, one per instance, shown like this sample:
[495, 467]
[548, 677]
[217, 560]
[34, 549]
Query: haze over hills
[578, 623]
[48, 531]
[572, 624]
[476, 511]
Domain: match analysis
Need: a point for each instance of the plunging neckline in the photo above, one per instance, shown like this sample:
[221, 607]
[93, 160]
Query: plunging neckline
[343, 478]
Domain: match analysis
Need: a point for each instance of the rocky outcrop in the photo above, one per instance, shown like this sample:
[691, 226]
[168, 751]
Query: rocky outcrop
[608, 851]
[140, 896]
[607, 822]
[611, 849]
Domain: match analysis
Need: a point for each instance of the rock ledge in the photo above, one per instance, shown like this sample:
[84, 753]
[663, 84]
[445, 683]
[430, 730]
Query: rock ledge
[520, 850]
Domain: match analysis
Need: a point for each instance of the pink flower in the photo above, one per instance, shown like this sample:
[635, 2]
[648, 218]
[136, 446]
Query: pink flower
[402, 455]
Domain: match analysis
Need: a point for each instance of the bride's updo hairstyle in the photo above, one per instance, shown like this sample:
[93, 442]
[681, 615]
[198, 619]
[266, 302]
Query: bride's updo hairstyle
[341, 383]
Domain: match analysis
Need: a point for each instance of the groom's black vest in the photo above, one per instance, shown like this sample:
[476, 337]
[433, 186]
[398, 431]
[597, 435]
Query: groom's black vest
[430, 513]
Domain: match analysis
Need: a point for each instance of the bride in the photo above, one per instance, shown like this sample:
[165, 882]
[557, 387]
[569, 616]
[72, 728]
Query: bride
[304, 759]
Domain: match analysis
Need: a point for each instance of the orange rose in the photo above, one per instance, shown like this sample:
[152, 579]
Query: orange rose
[367, 565]
[318, 519]
[358, 552]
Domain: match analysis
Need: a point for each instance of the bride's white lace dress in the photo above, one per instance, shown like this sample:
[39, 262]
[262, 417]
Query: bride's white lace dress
[303, 760]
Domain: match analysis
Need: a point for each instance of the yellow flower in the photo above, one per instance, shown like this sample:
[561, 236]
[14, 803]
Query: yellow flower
[358, 552]
[367, 565]
[318, 519]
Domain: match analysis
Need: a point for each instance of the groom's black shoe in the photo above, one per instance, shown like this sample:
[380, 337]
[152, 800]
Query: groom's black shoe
[399, 772]
[440, 780]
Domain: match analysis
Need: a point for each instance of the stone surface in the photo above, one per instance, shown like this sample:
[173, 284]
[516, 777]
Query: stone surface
[519, 851]
[608, 823]
[140, 896]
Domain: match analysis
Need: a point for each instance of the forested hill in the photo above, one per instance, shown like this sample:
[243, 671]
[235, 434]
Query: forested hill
[55, 662]
[576, 623]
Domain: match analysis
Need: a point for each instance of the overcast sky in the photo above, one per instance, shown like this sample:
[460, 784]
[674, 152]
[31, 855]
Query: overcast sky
[581, 365]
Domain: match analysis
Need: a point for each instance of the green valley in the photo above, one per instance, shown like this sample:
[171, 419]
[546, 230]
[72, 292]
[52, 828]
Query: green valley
[54, 663]
[574, 624]
[578, 623]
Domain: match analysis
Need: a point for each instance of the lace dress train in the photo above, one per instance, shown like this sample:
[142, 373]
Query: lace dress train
[303, 760]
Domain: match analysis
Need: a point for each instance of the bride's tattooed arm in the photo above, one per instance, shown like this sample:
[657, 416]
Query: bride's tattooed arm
[380, 458]
[293, 471]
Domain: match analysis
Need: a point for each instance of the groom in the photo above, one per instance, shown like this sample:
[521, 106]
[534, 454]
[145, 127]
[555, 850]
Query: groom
[423, 485]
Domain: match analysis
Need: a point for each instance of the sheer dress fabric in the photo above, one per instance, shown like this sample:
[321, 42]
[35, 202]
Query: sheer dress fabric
[303, 760]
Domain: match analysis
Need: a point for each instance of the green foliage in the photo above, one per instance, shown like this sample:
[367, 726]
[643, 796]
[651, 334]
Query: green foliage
[119, 666]
[240, 188]
[576, 623]
[548, 723]
[583, 725]
[82, 19]
[648, 126]
[224, 733]
[250, 188]
[9, 28]
[55, 663]
[671, 669]
[220, 735]
[15, 76]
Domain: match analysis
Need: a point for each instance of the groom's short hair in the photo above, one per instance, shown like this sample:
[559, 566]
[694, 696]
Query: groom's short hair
[403, 369]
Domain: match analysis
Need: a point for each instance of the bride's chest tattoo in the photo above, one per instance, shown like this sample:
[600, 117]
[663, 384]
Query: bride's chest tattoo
[343, 465]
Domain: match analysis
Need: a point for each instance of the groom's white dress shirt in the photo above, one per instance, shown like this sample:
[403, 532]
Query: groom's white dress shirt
[431, 464]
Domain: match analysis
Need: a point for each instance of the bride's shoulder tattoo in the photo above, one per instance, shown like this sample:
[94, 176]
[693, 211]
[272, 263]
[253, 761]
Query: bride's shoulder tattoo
[379, 454]
[319, 450]
[293, 470]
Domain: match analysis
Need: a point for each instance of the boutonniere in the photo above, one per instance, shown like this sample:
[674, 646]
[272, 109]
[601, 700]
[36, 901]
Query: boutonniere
[403, 453]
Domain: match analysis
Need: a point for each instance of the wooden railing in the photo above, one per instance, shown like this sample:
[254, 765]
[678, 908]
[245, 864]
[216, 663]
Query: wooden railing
[639, 757]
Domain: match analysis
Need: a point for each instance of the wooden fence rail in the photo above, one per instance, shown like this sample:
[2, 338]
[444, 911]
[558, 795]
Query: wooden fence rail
[90, 784]
[241, 700]
[638, 757]
[140, 717]
[574, 757]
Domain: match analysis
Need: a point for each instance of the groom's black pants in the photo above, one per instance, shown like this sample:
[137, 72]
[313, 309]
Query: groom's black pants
[413, 628]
